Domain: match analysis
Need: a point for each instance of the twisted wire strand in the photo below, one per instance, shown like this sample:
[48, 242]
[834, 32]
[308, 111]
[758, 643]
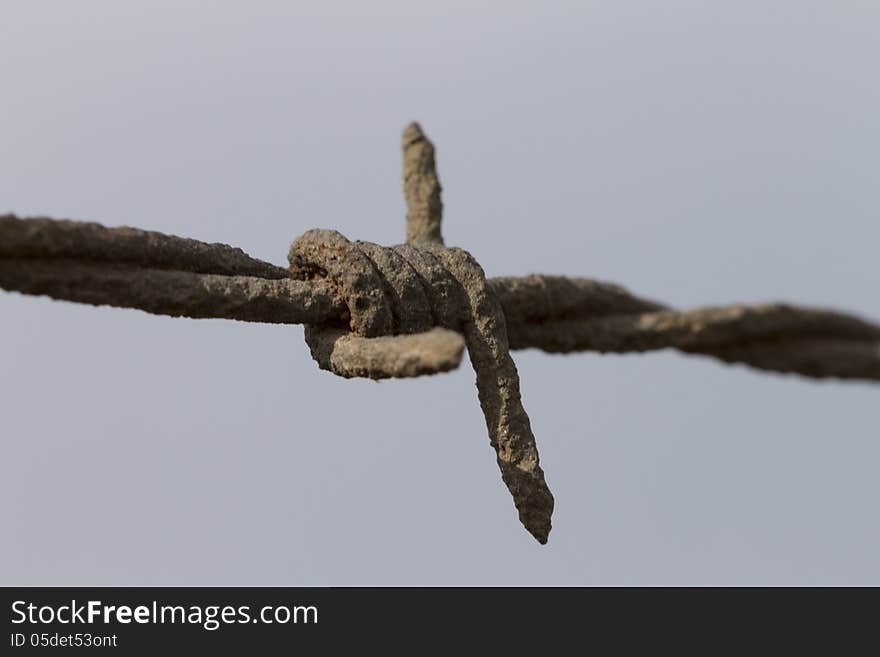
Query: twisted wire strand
[565, 316]
[173, 293]
[42, 237]
[72, 261]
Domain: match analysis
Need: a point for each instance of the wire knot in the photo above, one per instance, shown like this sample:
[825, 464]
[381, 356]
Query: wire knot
[412, 309]
[404, 317]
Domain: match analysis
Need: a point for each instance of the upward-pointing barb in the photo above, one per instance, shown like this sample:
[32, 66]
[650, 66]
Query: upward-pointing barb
[421, 188]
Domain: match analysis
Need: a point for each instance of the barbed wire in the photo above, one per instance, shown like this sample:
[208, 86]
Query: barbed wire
[404, 311]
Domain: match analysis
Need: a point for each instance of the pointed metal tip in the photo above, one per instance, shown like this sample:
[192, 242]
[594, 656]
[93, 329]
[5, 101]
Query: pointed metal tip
[412, 134]
[540, 534]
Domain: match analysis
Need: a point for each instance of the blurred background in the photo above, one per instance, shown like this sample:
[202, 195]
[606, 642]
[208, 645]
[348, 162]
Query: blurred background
[697, 153]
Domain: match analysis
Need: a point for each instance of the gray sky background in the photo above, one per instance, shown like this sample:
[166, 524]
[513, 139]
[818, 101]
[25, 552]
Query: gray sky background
[698, 153]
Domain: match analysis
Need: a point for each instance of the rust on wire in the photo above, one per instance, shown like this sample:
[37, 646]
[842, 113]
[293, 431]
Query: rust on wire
[409, 310]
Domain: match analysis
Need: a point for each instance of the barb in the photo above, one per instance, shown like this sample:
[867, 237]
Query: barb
[402, 291]
[421, 187]
[510, 431]
[409, 310]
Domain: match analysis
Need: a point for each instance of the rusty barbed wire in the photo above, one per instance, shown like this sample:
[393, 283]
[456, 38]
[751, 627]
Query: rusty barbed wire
[552, 313]
[404, 311]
